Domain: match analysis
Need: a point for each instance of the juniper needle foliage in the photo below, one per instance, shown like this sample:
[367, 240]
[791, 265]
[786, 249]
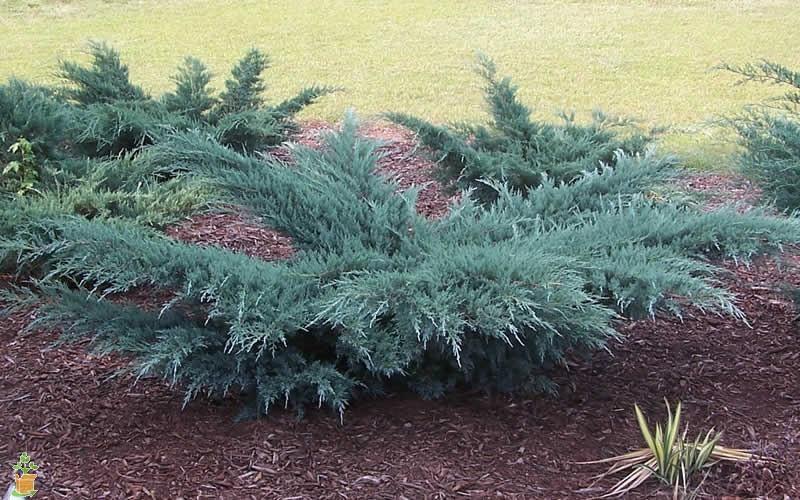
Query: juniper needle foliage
[525, 272]
[518, 150]
[770, 135]
[85, 135]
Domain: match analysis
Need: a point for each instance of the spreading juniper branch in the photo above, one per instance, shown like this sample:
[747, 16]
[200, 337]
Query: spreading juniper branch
[770, 135]
[516, 149]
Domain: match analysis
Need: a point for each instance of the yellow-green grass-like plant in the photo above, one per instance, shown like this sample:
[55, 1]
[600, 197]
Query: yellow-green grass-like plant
[668, 457]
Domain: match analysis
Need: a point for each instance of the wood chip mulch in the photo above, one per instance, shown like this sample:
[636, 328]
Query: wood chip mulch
[722, 190]
[96, 437]
[235, 232]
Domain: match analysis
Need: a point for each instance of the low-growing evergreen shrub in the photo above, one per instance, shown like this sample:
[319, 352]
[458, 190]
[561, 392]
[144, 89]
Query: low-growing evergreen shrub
[112, 115]
[770, 135]
[493, 296]
[30, 112]
[106, 80]
[378, 297]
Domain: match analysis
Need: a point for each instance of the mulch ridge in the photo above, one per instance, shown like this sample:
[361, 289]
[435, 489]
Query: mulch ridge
[722, 190]
[236, 232]
[408, 164]
[115, 439]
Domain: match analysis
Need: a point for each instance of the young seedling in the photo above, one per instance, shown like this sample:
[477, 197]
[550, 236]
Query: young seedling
[21, 175]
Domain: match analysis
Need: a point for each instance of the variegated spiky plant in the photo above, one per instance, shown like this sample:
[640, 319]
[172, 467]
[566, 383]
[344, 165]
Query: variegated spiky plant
[668, 457]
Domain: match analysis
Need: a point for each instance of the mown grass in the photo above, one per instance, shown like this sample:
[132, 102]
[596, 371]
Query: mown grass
[647, 59]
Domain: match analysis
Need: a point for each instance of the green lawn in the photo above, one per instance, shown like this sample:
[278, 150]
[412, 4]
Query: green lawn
[646, 59]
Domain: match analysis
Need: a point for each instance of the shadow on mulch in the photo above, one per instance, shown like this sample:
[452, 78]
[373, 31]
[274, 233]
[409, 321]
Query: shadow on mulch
[98, 438]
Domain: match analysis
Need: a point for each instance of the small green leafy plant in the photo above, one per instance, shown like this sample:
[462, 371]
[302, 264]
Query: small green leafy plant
[668, 457]
[25, 465]
[21, 175]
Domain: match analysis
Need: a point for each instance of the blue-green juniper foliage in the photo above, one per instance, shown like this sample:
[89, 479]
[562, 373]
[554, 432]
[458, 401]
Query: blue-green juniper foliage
[515, 280]
[770, 135]
[518, 150]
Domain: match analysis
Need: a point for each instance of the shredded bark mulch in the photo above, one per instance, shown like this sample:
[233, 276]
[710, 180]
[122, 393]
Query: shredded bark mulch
[408, 164]
[96, 435]
[723, 190]
[236, 232]
[98, 438]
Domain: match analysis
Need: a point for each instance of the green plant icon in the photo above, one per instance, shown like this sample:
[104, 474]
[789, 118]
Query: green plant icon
[25, 464]
[24, 476]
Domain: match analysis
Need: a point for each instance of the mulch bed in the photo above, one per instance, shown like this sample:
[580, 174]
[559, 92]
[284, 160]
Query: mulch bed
[96, 437]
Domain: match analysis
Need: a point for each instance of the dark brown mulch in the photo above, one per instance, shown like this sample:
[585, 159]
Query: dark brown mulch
[722, 190]
[235, 232]
[97, 438]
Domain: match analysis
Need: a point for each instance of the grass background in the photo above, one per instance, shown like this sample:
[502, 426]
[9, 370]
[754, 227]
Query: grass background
[647, 59]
